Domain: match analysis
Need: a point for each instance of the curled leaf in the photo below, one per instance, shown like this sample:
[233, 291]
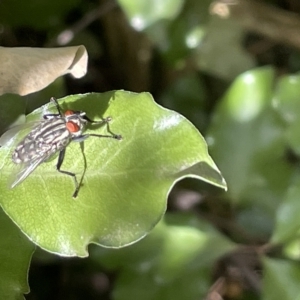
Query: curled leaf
[27, 70]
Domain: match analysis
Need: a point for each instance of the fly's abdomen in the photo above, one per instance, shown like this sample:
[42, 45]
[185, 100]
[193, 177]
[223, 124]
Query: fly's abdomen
[49, 137]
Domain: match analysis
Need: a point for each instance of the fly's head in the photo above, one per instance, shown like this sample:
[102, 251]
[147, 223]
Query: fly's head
[75, 122]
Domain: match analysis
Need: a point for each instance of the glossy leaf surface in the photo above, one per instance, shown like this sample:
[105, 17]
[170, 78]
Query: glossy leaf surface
[126, 182]
[15, 256]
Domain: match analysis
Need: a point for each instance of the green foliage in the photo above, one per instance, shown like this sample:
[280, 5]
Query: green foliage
[125, 184]
[15, 255]
[253, 123]
[248, 127]
[143, 13]
[201, 66]
[149, 159]
[167, 263]
[281, 279]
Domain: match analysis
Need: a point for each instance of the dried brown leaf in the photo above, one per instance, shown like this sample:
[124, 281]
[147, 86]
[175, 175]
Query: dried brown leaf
[27, 70]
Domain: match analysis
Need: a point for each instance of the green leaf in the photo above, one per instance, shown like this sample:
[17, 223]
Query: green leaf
[287, 216]
[287, 95]
[221, 53]
[189, 96]
[126, 183]
[286, 102]
[247, 140]
[169, 263]
[246, 126]
[281, 280]
[293, 137]
[291, 249]
[15, 255]
[143, 13]
[177, 37]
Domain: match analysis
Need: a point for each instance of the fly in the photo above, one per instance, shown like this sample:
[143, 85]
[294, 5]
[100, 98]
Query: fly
[50, 136]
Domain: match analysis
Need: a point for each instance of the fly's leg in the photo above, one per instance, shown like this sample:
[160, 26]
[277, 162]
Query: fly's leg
[113, 136]
[62, 156]
[50, 116]
[80, 139]
[52, 99]
[83, 137]
[84, 164]
[58, 166]
[104, 121]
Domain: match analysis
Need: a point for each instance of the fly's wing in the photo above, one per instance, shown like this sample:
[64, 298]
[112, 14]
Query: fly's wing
[12, 132]
[43, 141]
[26, 170]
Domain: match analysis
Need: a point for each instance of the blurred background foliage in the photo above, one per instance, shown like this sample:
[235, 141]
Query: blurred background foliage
[231, 68]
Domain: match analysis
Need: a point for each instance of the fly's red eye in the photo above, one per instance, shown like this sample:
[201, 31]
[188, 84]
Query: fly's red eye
[69, 112]
[72, 127]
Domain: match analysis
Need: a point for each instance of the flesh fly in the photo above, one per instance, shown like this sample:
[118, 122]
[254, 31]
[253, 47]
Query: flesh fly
[52, 135]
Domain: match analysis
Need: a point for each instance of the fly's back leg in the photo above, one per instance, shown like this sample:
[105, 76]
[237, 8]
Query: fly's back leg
[58, 166]
[83, 137]
[113, 136]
